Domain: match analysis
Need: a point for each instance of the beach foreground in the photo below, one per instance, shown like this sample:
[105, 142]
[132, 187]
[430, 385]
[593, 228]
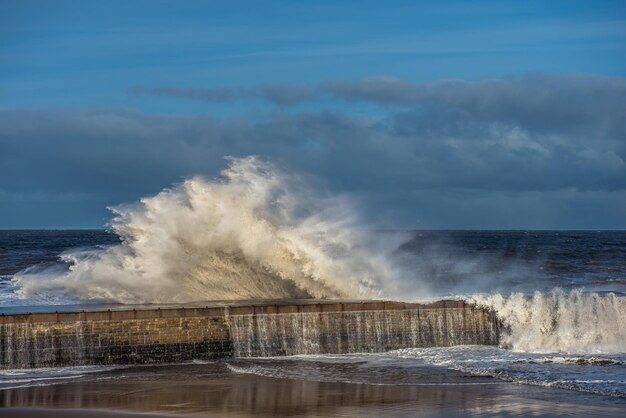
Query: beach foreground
[221, 389]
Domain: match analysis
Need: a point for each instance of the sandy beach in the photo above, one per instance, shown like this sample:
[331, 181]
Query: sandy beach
[70, 413]
[212, 390]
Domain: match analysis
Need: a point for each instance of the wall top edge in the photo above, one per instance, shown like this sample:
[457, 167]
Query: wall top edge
[217, 309]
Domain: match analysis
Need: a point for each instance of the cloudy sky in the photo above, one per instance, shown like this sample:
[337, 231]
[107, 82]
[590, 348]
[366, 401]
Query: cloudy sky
[473, 115]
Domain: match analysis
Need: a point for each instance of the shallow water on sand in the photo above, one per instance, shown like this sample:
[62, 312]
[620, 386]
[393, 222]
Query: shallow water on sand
[232, 388]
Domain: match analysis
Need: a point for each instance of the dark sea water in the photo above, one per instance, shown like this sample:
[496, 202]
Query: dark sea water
[22, 249]
[505, 261]
[561, 293]
[457, 261]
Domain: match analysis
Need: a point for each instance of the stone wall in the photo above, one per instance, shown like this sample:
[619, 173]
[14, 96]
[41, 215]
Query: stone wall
[179, 334]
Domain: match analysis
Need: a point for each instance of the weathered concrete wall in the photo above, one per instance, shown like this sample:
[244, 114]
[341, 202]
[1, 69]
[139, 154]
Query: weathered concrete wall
[170, 335]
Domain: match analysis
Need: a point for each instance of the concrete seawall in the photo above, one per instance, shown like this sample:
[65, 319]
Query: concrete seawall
[161, 335]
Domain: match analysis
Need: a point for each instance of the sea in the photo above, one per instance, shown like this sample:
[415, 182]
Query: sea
[560, 294]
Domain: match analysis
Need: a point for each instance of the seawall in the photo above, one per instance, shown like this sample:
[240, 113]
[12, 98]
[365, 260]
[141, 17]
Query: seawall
[158, 335]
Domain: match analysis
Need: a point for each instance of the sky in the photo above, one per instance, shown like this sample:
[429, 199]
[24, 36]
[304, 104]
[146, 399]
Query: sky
[429, 114]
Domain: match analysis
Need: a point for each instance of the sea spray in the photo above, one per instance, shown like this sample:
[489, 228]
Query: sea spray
[558, 321]
[257, 232]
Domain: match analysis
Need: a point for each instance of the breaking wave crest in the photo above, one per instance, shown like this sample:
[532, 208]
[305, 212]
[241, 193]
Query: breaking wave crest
[558, 321]
[257, 232]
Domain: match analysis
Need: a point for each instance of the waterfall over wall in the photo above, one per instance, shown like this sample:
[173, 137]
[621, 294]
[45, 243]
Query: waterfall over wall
[359, 331]
[179, 334]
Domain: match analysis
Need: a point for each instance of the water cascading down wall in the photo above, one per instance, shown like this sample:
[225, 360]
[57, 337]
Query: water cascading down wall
[271, 329]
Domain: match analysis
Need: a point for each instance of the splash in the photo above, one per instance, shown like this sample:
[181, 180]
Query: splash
[557, 321]
[257, 232]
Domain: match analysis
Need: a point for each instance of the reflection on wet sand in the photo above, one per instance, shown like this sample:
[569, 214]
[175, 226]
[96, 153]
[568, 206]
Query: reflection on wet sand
[213, 390]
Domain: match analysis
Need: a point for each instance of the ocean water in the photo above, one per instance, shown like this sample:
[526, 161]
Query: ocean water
[35, 250]
[561, 294]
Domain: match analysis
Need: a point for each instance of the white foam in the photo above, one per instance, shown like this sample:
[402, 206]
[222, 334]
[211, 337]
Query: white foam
[258, 232]
[606, 377]
[574, 322]
[12, 378]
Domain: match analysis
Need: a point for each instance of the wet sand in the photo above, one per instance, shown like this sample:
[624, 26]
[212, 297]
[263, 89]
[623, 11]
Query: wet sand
[71, 413]
[213, 390]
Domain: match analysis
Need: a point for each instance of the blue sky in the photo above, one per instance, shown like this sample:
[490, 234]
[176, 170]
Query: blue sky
[235, 78]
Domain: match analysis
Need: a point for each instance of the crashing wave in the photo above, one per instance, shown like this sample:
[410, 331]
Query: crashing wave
[257, 232]
[574, 322]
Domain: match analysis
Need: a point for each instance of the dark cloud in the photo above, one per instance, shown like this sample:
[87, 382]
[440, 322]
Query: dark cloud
[281, 95]
[545, 102]
[216, 95]
[541, 102]
[382, 90]
[537, 151]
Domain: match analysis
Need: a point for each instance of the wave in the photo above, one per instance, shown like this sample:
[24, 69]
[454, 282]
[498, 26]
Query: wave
[16, 378]
[558, 321]
[600, 375]
[256, 232]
